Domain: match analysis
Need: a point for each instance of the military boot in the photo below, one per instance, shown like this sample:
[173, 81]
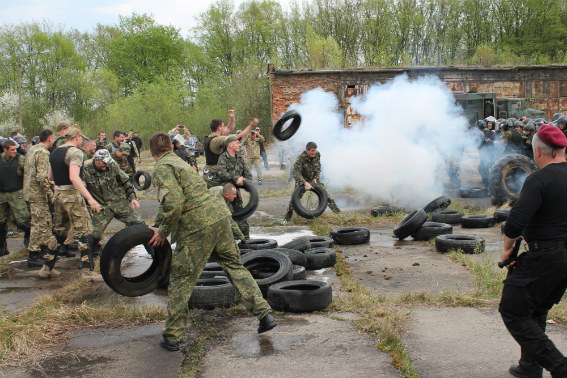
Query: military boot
[26, 228]
[288, 215]
[46, 272]
[526, 370]
[3, 244]
[34, 261]
[65, 252]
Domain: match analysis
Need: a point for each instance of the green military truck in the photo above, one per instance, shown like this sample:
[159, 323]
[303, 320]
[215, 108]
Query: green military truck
[481, 105]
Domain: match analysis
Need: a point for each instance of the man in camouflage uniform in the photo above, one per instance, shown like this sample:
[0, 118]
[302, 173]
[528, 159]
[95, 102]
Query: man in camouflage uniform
[214, 145]
[253, 157]
[71, 218]
[12, 194]
[232, 168]
[113, 190]
[38, 193]
[89, 147]
[200, 225]
[62, 128]
[307, 168]
[227, 193]
[120, 155]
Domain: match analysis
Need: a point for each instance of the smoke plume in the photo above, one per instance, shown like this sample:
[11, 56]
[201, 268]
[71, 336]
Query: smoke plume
[397, 152]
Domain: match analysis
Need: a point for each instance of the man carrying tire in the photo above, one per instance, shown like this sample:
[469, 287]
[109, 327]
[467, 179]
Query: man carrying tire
[307, 168]
[113, 190]
[538, 278]
[200, 225]
[232, 168]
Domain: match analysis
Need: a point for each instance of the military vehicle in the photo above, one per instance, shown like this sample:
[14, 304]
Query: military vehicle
[481, 105]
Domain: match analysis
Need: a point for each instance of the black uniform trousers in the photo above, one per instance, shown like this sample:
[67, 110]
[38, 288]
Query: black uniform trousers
[537, 283]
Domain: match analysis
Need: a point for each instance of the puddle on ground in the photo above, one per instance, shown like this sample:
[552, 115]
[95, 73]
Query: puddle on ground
[250, 345]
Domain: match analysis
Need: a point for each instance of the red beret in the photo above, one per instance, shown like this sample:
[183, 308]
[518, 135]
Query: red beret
[552, 136]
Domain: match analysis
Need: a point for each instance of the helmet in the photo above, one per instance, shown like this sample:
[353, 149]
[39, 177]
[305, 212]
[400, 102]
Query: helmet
[556, 116]
[539, 121]
[518, 124]
[490, 119]
[480, 124]
[178, 139]
[19, 139]
[530, 126]
[35, 140]
[504, 125]
[525, 121]
[562, 121]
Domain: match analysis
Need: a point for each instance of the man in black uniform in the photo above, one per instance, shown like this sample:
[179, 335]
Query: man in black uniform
[538, 279]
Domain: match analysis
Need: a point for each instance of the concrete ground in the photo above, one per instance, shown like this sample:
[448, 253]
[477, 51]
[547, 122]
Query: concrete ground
[464, 342]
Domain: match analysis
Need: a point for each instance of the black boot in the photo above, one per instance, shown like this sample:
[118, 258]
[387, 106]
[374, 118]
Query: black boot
[267, 323]
[64, 251]
[526, 370]
[26, 228]
[34, 261]
[3, 244]
[97, 248]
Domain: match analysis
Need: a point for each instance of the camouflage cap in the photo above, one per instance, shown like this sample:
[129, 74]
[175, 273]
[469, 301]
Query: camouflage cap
[124, 147]
[103, 155]
[73, 132]
[230, 139]
[63, 125]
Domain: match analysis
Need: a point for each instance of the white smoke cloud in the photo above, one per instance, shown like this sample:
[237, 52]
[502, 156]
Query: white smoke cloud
[395, 153]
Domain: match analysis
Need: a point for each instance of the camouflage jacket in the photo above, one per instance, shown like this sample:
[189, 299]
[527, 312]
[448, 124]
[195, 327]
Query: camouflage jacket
[216, 191]
[186, 206]
[36, 184]
[253, 146]
[306, 168]
[231, 168]
[123, 164]
[107, 186]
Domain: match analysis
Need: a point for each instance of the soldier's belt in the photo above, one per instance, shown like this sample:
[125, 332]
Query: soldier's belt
[65, 187]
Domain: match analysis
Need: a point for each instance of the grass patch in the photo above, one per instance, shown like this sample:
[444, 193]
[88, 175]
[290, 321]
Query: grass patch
[489, 277]
[559, 312]
[20, 254]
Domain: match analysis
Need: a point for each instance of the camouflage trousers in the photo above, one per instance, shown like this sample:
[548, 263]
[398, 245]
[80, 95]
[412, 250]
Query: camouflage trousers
[120, 210]
[330, 202]
[189, 259]
[210, 176]
[41, 233]
[237, 205]
[14, 201]
[71, 218]
[255, 163]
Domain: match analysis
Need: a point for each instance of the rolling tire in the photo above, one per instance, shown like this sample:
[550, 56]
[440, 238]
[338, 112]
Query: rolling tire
[247, 211]
[447, 216]
[384, 210]
[439, 203]
[319, 258]
[299, 273]
[300, 296]
[504, 184]
[257, 244]
[410, 224]
[136, 180]
[473, 192]
[301, 243]
[296, 257]
[291, 129]
[115, 250]
[350, 235]
[501, 215]
[429, 230]
[210, 293]
[302, 211]
[279, 264]
[466, 243]
[477, 221]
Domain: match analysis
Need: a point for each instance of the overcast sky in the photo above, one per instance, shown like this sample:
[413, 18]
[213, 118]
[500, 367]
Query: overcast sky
[85, 14]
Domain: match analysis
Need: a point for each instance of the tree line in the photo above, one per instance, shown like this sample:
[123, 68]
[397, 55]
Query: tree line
[144, 76]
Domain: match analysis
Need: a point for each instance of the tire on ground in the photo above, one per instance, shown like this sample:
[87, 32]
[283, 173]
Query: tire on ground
[410, 224]
[115, 250]
[299, 273]
[507, 177]
[384, 210]
[210, 293]
[136, 180]
[477, 221]
[301, 243]
[247, 211]
[447, 216]
[429, 230]
[439, 203]
[465, 243]
[350, 235]
[501, 215]
[319, 258]
[298, 206]
[296, 257]
[473, 192]
[277, 263]
[321, 241]
[257, 244]
[300, 296]
[291, 129]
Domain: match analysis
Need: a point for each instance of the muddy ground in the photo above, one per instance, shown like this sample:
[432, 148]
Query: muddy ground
[441, 341]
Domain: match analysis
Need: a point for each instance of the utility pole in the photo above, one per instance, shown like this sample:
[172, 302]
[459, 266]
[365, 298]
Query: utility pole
[20, 86]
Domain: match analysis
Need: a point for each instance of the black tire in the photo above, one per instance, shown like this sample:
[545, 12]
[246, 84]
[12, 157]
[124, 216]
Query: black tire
[429, 230]
[319, 258]
[245, 250]
[350, 235]
[507, 177]
[477, 221]
[247, 211]
[439, 203]
[302, 211]
[301, 243]
[277, 262]
[296, 257]
[213, 293]
[115, 250]
[384, 210]
[257, 244]
[501, 215]
[300, 296]
[465, 243]
[299, 273]
[136, 180]
[206, 274]
[291, 129]
[447, 216]
[473, 192]
[320, 241]
[410, 224]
